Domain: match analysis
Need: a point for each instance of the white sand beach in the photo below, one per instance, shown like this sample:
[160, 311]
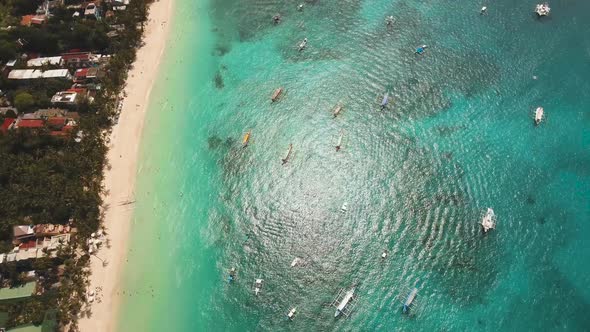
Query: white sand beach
[120, 178]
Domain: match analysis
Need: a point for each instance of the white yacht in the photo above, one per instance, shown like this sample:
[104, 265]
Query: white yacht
[542, 9]
[539, 113]
[292, 313]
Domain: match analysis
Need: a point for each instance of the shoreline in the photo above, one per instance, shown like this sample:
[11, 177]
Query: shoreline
[119, 181]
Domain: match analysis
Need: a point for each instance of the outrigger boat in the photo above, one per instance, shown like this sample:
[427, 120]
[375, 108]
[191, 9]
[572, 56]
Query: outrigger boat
[420, 50]
[288, 155]
[246, 139]
[539, 114]
[489, 221]
[257, 286]
[276, 94]
[337, 110]
[389, 20]
[232, 275]
[339, 145]
[343, 302]
[292, 313]
[484, 9]
[385, 100]
[303, 44]
[410, 299]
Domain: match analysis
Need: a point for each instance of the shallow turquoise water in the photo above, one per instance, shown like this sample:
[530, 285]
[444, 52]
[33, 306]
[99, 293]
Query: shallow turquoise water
[456, 138]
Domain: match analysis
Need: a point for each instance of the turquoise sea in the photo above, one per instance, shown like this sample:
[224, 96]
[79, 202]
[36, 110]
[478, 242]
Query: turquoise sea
[457, 137]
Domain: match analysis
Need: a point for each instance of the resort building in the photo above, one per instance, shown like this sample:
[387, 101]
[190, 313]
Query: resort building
[66, 98]
[17, 294]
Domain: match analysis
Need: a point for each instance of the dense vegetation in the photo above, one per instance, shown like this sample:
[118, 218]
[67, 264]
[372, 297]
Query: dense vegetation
[44, 179]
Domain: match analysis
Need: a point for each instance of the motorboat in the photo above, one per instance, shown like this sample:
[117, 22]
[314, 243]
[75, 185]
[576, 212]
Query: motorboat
[276, 19]
[288, 155]
[344, 207]
[389, 20]
[337, 110]
[489, 221]
[539, 115]
[542, 9]
[420, 50]
[385, 100]
[232, 275]
[484, 9]
[246, 139]
[384, 254]
[295, 261]
[303, 44]
[276, 94]
[292, 313]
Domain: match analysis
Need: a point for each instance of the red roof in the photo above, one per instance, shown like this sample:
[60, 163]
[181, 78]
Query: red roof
[26, 20]
[75, 56]
[31, 123]
[7, 122]
[81, 72]
[77, 90]
[56, 122]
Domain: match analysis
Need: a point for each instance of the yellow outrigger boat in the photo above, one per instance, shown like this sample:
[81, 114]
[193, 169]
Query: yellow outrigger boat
[246, 139]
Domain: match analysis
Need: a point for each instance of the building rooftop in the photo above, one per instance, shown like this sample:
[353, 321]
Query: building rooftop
[68, 97]
[30, 123]
[17, 293]
[39, 62]
[28, 74]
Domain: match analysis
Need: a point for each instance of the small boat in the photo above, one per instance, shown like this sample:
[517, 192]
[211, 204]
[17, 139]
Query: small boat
[489, 221]
[257, 286]
[337, 110]
[384, 254]
[409, 302]
[276, 19]
[295, 261]
[246, 139]
[341, 302]
[339, 145]
[276, 94]
[344, 207]
[483, 10]
[300, 7]
[232, 275]
[539, 114]
[420, 50]
[385, 100]
[303, 44]
[542, 9]
[389, 20]
[291, 313]
[288, 155]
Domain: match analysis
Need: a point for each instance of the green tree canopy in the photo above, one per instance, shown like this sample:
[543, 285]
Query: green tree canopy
[24, 101]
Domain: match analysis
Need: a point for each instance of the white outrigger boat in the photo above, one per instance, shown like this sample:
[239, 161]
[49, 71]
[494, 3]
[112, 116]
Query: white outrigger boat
[539, 114]
[484, 9]
[292, 313]
[303, 44]
[295, 261]
[337, 110]
[257, 286]
[489, 221]
[343, 302]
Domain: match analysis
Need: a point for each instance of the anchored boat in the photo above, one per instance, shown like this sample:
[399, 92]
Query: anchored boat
[420, 50]
[339, 145]
[276, 94]
[410, 300]
[303, 44]
[257, 286]
[343, 302]
[291, 313]
[489, 221]
[344, 207]
[288, 155]
[385, 100]
[484, 9]
[295, 261]
[276, 19]
[539, 114]
[232, 275]
[246, 139]
[337, 110]
[542, 9]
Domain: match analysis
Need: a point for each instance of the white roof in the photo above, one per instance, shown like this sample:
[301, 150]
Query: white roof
[27, 74]
[38, 62]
